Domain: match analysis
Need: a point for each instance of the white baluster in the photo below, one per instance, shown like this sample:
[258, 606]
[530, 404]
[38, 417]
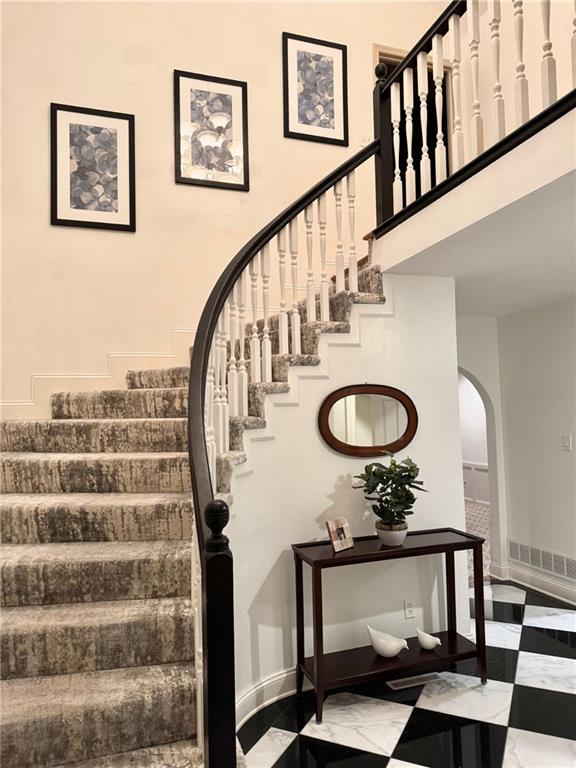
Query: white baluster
[495, 18]
[242, 372]
[283, 318]
[310, 292]
[266, 344]
[474, 46]
[408, 107]
[438, 73]
[232, 364]
[549, 88]
[573, 48]
[255, 363]
[352, 257]
[324, 303]
[521, 86]
[457, 132]
[395, 109]
[340, 280]
[221, 406]
[425, 174]
[295, 317]
[209, 405]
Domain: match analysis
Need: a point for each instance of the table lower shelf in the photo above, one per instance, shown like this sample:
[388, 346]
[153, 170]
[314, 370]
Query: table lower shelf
[359, 664]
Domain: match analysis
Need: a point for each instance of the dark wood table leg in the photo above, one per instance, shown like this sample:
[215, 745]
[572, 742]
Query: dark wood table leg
[318, 640]
[450, 592]
[299, 624]
[479, 611]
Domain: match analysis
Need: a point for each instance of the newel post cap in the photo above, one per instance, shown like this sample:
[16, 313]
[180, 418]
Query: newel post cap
[217, 515]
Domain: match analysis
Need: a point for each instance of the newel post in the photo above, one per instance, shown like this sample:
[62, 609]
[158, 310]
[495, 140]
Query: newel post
[385, 158]
[219, 674]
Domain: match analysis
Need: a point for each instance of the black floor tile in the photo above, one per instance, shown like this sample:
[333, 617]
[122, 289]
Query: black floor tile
[501, 664]
[550, 712]
[510, 613]
[253, 730]
[537, 598]
[298, 711]
[305, 752]
[436, 740]
[553, 642]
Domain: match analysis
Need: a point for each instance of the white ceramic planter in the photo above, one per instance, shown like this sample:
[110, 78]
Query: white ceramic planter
[391, 537]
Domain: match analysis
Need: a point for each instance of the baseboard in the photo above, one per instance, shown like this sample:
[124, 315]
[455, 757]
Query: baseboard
[499, 571]
[273, 688]
[552, 586]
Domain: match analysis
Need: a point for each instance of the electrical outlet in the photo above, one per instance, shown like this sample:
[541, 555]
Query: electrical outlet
[566, 442]
[409, 609]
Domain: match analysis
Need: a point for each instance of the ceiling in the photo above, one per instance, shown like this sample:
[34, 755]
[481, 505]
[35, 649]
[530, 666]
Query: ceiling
[521, 257]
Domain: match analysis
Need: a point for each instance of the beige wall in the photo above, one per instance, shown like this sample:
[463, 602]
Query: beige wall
[70, 295]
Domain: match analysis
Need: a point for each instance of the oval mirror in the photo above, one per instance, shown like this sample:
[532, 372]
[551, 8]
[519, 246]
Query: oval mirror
[367, 420]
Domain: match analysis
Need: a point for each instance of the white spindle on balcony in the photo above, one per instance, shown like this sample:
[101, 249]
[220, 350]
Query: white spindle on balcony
[495, 17]
[209, 410]
[324, 303]
[422, 69]
[295, 315]
[549, 87]
[242, 370]
[266, 343]
[396, 114]
[438, 74]
[221, 406]
[255, 363]
[473, 16]
[231, 343]
[521, 86]
[283, 316]
[457, 132]
[407, 78]
[310, 292]
[352, 257]
[340, 281]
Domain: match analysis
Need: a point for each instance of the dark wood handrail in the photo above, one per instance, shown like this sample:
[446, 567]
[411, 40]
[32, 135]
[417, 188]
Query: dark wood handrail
[211, 516]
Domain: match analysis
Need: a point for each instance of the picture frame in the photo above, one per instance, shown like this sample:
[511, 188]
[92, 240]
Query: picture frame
[340, 534]
[92, 168]
[315, 89]
[211, 131]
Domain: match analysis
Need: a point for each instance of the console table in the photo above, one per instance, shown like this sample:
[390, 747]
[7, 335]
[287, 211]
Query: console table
[343, 668]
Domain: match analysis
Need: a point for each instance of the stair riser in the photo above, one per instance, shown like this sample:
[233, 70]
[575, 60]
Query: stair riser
[121, 404]
[158, 378]
[163, 715]
[163, 636]
[47, 583]
[37, 524]
[182, 754]
[99, 437]
[113, 474]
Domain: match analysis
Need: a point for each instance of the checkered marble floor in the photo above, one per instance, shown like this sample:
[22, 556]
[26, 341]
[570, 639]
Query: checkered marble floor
[525, 717]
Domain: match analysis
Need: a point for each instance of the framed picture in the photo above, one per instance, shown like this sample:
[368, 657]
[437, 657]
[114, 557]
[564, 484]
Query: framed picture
[339, 533]
[92, 168]
[315, 90]
[211, 131]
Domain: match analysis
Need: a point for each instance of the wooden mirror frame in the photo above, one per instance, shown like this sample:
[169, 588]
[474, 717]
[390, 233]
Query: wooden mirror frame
[367, 450]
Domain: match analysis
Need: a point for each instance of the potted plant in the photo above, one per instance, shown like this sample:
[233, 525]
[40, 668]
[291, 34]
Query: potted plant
[391, 487]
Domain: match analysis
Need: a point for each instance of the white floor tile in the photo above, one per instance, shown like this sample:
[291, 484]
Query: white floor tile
[502, 593]
[268, 749]
[401, 764]
[360, 722]
[465, 696]
[550, 618]
[500, 635]
[525, 749]
[552, 672]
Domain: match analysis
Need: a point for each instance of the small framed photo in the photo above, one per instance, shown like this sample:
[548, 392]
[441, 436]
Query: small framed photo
[339, 533]
[211, 131]
[315, 90]
[92, 168]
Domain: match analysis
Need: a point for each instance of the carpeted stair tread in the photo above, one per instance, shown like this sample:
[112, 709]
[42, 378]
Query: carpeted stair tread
[47, 721]
[84, 637]
[158, 378]
[180, 754]
[45, 574]
[257, 396]
[95, 472]
[94, 435]
[159, 403]
[38, 518]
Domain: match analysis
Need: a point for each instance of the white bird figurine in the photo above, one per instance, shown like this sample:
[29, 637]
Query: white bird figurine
[386, 645]
[428, 642]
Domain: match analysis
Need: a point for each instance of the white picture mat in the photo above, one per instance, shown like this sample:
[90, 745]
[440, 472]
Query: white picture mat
[64, 209]
[314, 130]
[187, 84]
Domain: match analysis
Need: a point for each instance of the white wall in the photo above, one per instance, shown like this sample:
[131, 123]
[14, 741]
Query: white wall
[298, 483]
[537, 351]
[70, 295]
[472, 423]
